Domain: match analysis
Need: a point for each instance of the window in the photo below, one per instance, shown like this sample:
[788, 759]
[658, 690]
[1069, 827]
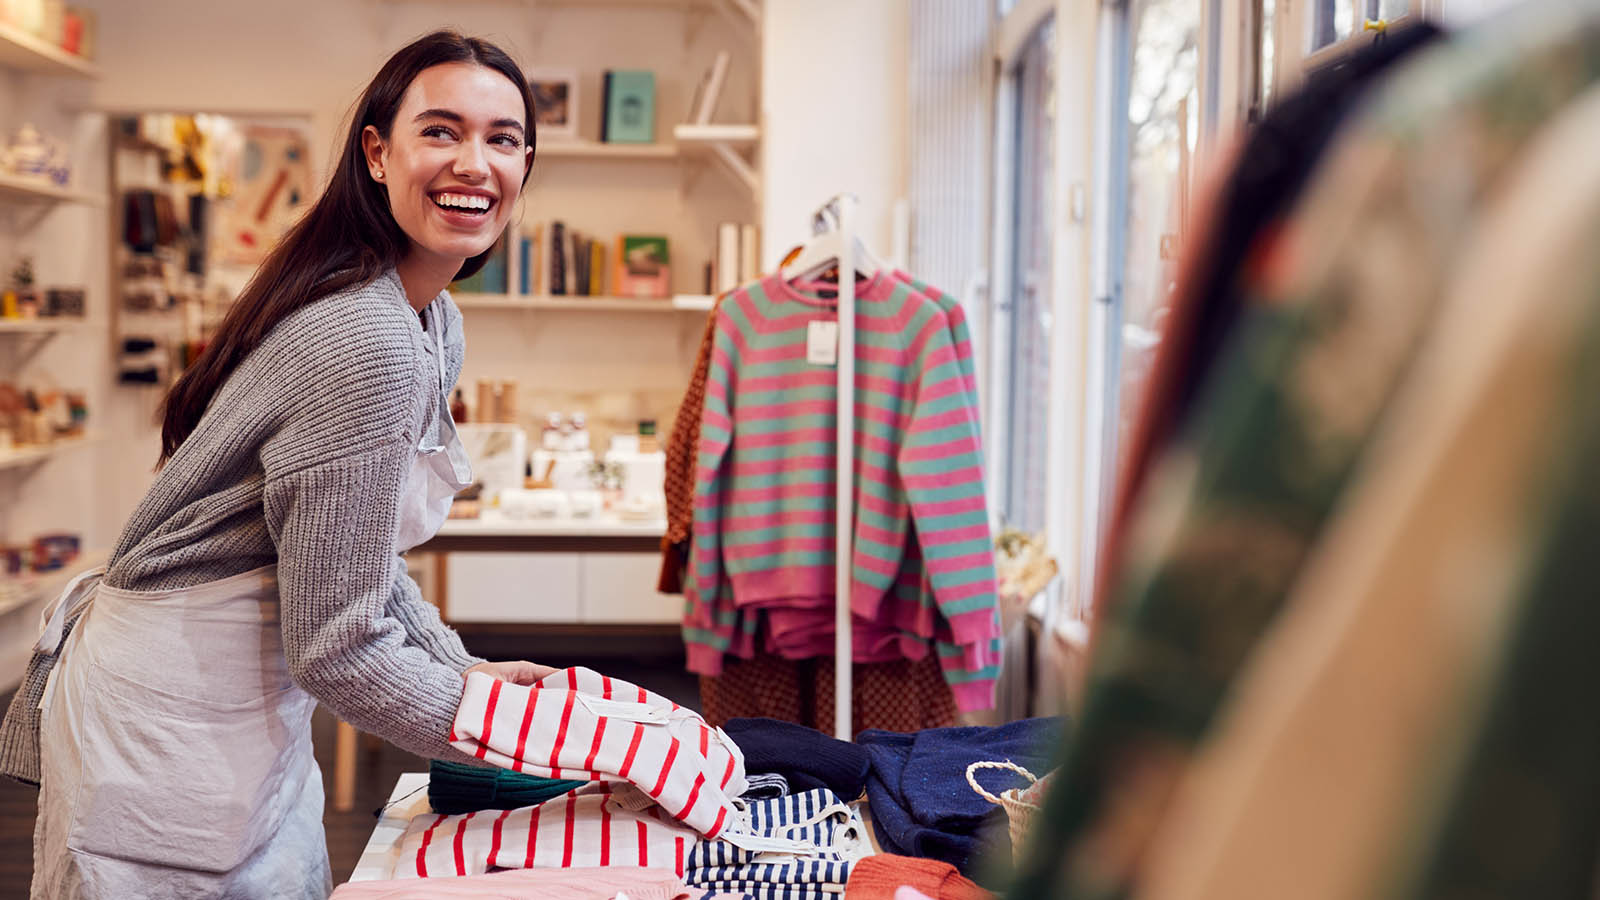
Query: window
[1022, 318]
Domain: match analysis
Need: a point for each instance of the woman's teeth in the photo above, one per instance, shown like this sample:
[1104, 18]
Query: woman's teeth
[462, 202]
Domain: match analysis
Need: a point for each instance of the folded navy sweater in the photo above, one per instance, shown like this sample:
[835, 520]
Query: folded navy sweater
[806, 757]
[917, 786]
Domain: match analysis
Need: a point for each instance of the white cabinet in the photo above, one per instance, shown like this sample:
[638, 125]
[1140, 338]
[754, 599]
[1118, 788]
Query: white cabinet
[574, 587]
[512, 587]
[621, 587]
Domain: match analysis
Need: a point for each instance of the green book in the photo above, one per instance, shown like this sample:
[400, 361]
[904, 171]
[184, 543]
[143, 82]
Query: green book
[630, 116]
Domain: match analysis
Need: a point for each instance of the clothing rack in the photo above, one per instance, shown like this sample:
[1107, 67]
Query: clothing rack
[843, 207]
[835, 241]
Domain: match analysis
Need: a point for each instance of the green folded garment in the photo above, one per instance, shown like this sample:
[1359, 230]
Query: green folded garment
[454, 788]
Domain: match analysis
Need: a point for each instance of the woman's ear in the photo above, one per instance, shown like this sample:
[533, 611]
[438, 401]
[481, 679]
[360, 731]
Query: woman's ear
[372, 148]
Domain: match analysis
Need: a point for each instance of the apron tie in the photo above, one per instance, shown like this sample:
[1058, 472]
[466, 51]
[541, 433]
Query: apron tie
[75, 596]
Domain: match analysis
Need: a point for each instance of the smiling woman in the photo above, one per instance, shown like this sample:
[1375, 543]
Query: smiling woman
[308, 446]
[452, 155]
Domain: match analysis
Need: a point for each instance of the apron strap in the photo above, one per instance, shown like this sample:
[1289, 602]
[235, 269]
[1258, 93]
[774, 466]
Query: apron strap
[74, 597]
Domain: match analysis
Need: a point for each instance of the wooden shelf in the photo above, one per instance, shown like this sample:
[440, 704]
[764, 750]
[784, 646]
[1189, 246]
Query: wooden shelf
[21, 456]
[45, 585]
[705, 135]
[47, 325]
[14, 187]
[556, 148]
[25, 52]
[680, 303]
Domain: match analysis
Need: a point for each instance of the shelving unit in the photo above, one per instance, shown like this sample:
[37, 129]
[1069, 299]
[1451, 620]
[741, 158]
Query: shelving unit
[22, 51]
[575, 149]
[42, 585]
[48, 325]
[723, 143]
[16, 188]
[22, 456]
[679, 303]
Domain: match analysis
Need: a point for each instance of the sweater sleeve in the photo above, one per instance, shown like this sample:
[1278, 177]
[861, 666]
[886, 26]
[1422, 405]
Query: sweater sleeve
[333, 476]
[941, 471]
[423, 627]
[707, 628]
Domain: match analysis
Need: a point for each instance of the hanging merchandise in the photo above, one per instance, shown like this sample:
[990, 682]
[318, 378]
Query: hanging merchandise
[1241, 521]
[1490, 416]
[1271, 171]
[897, 695]
[919, 572]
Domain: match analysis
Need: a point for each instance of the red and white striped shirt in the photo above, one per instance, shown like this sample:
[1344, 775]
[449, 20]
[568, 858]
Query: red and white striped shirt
[579, 724]
[586, 827]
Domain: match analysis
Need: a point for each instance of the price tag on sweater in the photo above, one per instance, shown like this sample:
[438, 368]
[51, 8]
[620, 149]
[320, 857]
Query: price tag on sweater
[822, 343]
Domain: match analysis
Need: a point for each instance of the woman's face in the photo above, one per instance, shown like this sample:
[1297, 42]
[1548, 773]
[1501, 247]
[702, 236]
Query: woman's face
[454, 160]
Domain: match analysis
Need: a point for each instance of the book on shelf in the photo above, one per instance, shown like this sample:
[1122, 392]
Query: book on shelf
[597, 268]
[749, 253]
[727, 256]
[580, 264]
[630, 107]
[706, 94]
[492, 278]
[643, 267]
[558, 259]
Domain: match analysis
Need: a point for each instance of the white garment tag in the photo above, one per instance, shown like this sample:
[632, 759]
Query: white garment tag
[822, 343]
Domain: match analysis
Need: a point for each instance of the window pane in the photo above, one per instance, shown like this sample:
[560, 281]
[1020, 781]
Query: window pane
[1024, 504]
[1387, 10]
[1330, 21]
[1163, 104]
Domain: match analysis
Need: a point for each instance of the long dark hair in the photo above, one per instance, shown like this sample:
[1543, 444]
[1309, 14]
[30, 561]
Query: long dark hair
[348, 238]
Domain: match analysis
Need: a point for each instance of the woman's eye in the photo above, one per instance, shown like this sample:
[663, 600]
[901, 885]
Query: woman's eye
[509, 140]
[436, 131]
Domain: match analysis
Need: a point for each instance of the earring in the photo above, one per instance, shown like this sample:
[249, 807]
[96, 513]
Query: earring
[378, 174]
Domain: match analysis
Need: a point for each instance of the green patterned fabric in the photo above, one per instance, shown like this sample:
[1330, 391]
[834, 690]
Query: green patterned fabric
[1335, 316]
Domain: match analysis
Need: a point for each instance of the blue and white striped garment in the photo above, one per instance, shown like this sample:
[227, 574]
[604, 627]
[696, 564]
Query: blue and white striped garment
[819, 818]
[765, 786]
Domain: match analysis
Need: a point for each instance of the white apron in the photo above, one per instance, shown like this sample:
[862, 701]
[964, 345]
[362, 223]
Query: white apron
[176, 755]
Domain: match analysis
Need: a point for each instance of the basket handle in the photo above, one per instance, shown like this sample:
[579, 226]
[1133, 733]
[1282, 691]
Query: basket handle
[981, 764]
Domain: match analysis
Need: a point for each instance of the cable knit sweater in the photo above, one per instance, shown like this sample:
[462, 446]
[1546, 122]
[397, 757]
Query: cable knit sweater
[300, 461]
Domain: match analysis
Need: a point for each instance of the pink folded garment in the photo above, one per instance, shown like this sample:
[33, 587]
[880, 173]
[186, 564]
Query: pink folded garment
[579, 724]
[528, 884]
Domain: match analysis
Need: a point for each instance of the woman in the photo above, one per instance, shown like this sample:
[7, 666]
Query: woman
[309, 446]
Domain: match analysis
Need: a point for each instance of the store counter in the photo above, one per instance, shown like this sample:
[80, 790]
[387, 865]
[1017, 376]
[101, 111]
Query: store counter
[582, 572]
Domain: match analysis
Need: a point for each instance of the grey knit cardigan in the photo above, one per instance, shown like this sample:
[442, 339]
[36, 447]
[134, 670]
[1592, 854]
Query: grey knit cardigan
[299, 461]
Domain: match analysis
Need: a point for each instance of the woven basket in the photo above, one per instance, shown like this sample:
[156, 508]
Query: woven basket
[1019, 811]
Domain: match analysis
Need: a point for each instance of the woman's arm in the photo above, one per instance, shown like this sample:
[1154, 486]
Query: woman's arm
[423, 627]
[335, 468]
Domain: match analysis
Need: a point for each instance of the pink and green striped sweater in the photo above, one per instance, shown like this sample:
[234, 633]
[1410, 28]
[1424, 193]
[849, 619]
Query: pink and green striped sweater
[764, 502]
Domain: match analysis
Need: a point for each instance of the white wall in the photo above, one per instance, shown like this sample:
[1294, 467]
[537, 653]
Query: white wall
[834, 115]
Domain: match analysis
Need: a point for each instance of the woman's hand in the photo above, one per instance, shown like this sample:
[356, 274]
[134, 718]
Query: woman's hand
[517, 671]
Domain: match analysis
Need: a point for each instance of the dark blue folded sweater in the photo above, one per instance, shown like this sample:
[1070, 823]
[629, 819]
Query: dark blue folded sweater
[918, 793]
[805, 756]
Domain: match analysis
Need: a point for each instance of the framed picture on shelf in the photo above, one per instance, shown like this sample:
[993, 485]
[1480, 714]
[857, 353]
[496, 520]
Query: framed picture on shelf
[555, 102]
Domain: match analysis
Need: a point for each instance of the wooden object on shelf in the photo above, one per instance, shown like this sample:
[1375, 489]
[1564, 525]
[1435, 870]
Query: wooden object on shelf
[26, 52]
